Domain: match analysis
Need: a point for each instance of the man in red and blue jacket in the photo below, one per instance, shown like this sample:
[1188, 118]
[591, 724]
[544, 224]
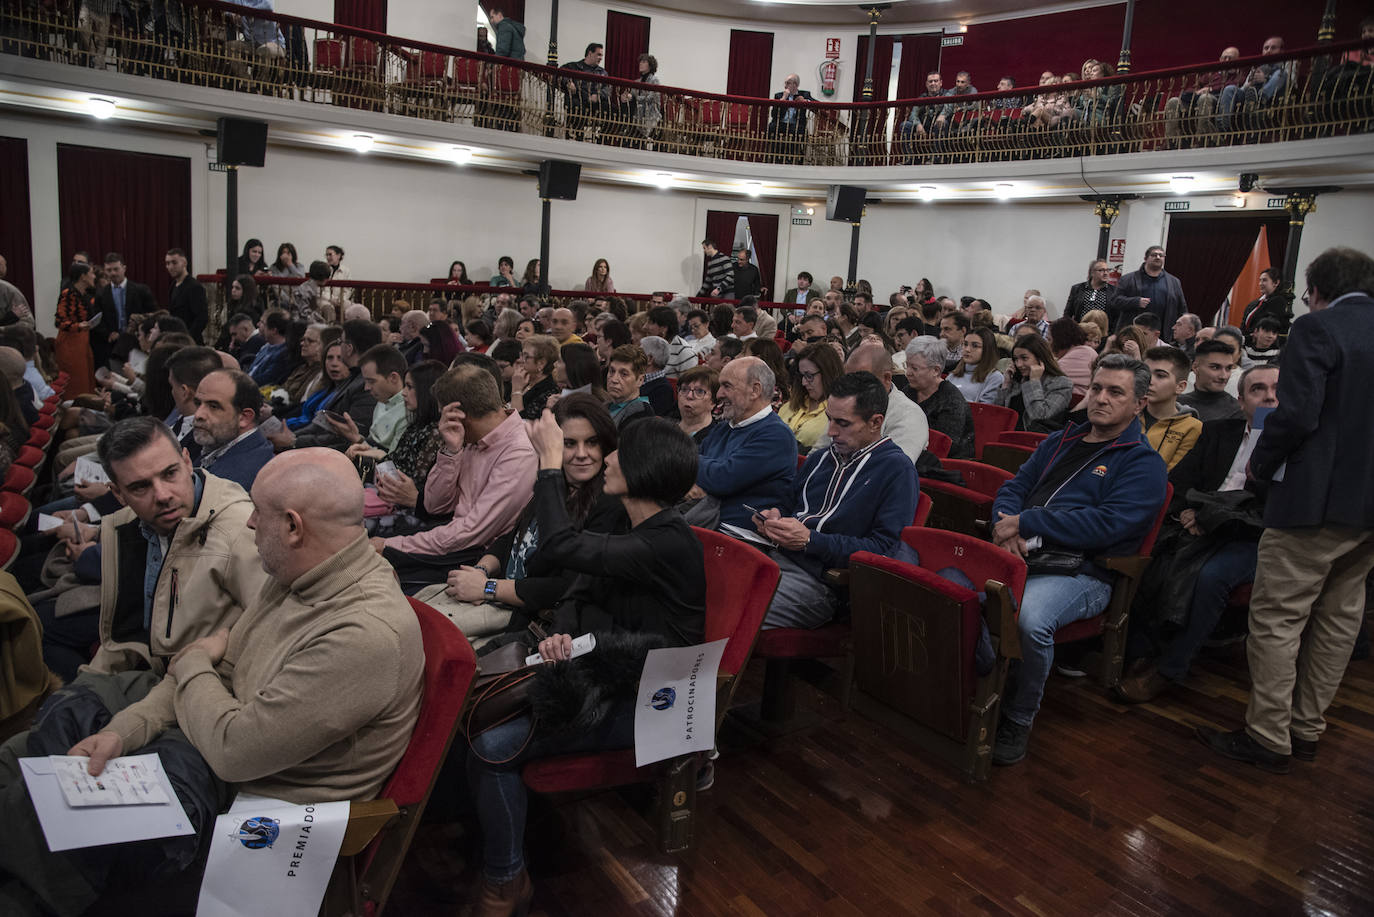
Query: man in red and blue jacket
[1094, 489]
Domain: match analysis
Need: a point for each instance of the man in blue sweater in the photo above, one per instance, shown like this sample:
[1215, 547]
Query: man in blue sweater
[1092, 488]
[752, 457]
[857, 495]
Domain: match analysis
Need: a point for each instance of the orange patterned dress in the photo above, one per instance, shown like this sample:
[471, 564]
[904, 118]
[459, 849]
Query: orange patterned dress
[73, 346]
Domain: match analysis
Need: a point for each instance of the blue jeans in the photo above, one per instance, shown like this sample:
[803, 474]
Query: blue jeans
[498, 791]
[1049, 603]
[1232, 565]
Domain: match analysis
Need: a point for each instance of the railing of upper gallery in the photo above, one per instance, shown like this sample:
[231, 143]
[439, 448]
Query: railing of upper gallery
[1315, 92]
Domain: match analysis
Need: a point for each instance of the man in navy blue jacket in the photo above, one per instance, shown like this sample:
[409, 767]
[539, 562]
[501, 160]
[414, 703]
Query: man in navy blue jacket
[1316, 451]
[228, 405]
[1094, 488]
[752, 457]
[857, 495]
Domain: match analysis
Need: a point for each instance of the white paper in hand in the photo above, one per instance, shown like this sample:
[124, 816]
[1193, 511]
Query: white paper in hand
[67, 828]
[676, 709]
[271, 857]
[89, 471]
[132, 781]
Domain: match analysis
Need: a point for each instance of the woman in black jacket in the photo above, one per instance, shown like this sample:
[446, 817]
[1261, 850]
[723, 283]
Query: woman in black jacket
[648, 582]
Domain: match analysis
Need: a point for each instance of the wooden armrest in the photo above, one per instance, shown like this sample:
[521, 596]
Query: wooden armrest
[837, 577]
[365, 819]
[1132, 566]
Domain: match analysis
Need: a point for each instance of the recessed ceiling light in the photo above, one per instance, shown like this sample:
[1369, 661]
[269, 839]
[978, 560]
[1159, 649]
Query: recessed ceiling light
[100, 108]
[461, 155]
[1004, 191]
[753, 188]
[810, 211]
[664, 179]
[361, 142]
[926, 192]
[1182, 184]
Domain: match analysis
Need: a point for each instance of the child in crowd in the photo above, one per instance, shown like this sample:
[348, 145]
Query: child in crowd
[1170, 428]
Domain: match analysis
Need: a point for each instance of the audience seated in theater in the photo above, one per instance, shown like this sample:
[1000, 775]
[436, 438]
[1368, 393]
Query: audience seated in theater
[856, 495]
[682, 354]
[1207, 553]
[1185, 333]
[228, 411]
[904, 423]
[1172, 430]
[1147, 323]
[636, 590]
[751, 457]
[767, 350]
[696, 397]
[330, 611]
[1033, 314]
[953, 328]
[1265, 346]
[944, 406]
[656, 388]
[349, 396]
[1037, 389]
[308, 302]
[531, 383]
[577, 370]
[698, 341]
[614, 333]
[482, 488]
[976, 376]
[478, 337]
[382, 369]
[624, 378]
[272, 360]
[514, 581]
[308, 378]
[414, 453]
[1107, 486]
[185, 370]
[1070, 347]
[1101, 320]
[412, 345]
[245, 340]
[817, 368]
[1212, 367]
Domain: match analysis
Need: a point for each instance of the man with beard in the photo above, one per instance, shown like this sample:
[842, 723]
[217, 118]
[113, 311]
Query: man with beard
[228, 405]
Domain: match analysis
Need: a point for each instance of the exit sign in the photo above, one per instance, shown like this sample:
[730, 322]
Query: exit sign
[1274, 203]
[801, 221]
[951, 41]
[1176, 206]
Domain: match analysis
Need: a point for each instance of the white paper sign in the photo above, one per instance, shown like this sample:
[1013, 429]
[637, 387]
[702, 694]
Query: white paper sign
[66, 828]
[676, 710]
[271, 857]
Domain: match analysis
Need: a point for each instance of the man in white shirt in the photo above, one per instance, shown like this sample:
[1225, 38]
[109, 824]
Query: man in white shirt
[904, 423]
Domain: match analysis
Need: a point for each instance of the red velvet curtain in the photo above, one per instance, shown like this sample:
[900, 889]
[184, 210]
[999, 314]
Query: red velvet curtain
[1278, 245]
[1207, 253]
[138, 204]
[720, 228]
[751, 64]
[627, 37]
[920, 55]
[882, 67]
[763, 230]
[16, 239]
[364, 14]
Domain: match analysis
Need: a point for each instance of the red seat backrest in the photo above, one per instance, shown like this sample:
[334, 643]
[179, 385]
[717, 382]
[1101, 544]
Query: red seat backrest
[986, 479]
[1148, 545]
[710, 111]
[739, 587]
[940, 444]
[328, 53]
[979, 560]
[466, 71]
[989, 422]
[433, 66]
[505, 79]
[362, 52]
[923, 504]
[449, 667]
[1021, 438]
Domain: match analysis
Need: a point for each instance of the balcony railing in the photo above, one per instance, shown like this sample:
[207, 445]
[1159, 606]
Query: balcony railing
[1316, 92]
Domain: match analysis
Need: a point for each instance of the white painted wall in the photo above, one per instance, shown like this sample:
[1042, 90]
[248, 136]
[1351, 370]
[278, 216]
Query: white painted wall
[405, 221]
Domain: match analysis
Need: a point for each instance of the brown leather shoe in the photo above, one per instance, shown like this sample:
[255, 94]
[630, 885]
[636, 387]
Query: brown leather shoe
[1142, 686]
[507, 899]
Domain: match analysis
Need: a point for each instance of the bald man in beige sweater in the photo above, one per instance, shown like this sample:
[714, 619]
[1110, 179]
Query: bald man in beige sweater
[311, 697]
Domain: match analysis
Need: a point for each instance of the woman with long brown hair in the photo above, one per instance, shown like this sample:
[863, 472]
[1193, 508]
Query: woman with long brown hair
[600, 279]
[1037, 388]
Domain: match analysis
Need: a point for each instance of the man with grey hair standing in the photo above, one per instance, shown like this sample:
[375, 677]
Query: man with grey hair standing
[751, 458]
[1108, 485]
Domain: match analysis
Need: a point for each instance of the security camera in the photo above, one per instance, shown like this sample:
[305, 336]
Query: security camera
[1248, 180]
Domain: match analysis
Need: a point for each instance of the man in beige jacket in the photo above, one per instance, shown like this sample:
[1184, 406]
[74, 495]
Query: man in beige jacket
[274, 706]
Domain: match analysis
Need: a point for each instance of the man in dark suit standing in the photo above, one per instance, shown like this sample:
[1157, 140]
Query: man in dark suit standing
[119, 299]
[187, 297]
[787, 124]
[1318, 543]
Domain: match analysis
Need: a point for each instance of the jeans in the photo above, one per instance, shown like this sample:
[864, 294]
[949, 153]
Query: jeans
[801, 600]
[1232, 565]
[498, 791]
[1266, 93]
[1049, 603]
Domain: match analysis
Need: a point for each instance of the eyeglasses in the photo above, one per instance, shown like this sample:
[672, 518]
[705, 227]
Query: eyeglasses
[807, 377]
[695, 393]
[815, 339]
[1305, 300]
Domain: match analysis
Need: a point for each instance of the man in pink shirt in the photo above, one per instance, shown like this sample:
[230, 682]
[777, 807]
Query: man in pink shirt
[483, 475]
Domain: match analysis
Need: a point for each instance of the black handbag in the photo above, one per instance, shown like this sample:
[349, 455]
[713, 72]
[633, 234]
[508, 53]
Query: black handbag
[1055, 562]
[500, 693]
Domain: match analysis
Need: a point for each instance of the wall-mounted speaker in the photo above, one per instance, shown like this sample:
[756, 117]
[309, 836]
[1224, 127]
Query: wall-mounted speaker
[845, 203]
[241, 142]
[558, 179]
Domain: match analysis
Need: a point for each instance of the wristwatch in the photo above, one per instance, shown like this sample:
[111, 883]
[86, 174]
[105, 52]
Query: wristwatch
[489, 590]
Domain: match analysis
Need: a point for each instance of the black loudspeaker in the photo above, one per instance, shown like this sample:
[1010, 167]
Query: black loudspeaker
[844, 203]
[558, 179]
[242, 142]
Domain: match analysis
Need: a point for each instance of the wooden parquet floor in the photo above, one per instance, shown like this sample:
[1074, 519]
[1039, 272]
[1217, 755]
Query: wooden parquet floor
[1115, 811]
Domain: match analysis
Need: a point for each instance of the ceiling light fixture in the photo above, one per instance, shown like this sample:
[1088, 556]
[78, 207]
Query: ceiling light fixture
[1004, 191]
[1182, 184]
[927, 192]
[753, 188]
[810, 211]
[461, 155]
[361, 142]
[100, 108]
[664, 179]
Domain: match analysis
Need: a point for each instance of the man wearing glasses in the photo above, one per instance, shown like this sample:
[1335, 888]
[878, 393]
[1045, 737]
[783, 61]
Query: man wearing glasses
[1151, 289]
